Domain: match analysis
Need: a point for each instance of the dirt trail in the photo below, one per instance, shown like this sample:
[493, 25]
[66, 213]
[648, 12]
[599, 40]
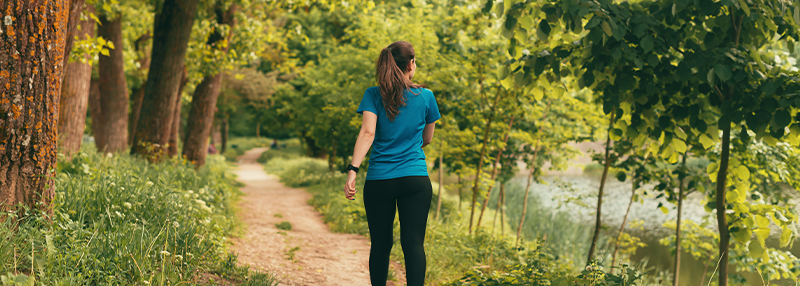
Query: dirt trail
[323, 258]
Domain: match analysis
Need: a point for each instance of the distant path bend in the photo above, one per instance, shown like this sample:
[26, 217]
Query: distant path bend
[323, 259]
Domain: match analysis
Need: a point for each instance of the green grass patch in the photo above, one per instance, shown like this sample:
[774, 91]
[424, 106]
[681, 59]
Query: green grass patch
[284, 225]
[119, 220]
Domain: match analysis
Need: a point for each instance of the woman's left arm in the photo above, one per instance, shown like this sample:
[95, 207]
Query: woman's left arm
[363, 143]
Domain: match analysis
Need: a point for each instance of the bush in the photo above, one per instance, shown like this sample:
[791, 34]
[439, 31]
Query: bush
[121, 220]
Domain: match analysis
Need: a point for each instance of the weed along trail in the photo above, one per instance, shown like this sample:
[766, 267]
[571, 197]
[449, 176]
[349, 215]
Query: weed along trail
[308, 253]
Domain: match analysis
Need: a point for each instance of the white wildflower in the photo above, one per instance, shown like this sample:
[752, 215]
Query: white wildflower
[127, 205]
[176, 224]
[165, 253]
[178, 256]
[149, 183]
[190, 192]
[109, 155]
[119, 214]
[113, 184]
[201, 202]
[122, 188]
[189, 255]
[146, 282]
[152, 197]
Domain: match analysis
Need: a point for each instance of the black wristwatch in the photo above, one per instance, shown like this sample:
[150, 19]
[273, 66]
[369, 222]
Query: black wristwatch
[351, 167]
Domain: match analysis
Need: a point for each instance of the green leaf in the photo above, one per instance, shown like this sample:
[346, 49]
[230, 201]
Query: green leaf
[679, 145]
[756, 250]
[664, 209]
[545, 27]
[607, 29]
[797, 12]
[745, 8]
[786, 236]
[538, 94]
[743, 173]
[526, 22]
[647, 43]
[488, 7]
[710, 76]
[742, 235]
[712, 168]
[499, 9]
[782, 118]
[502, 72]
[723, 72]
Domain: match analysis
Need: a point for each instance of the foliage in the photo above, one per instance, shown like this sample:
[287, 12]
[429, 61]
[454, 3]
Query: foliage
[120, 220]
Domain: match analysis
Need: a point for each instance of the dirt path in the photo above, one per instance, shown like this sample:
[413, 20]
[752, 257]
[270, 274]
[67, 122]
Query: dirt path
[323, 258]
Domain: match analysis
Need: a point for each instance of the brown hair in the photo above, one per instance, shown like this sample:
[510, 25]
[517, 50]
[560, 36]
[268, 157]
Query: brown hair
[391, 68]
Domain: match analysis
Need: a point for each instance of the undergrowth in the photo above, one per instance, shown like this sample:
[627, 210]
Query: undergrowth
[119, 220]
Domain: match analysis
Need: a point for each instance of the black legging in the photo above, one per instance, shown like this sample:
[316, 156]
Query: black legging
[412, 196]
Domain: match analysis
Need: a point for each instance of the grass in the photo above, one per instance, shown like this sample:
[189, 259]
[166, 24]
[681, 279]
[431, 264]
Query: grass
[284, 225]
[119, 220]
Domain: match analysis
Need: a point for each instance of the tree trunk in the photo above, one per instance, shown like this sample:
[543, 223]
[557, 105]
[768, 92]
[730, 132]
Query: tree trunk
[96, 113]
[137, 93]
[597, 223]
[622, 227]
[532, 167]
[441, 182]
[459, 193]
[113, 88]
[676, 274]
[502, 208]
[494, 171]
[75, 9]
[722, 222]
[224, 133]
[171, 31]
[499, 204]
[31, 70]
[176, 117]
[204, 102]
[75, 95]
[258, 129]
[332, 159]
[480, 159]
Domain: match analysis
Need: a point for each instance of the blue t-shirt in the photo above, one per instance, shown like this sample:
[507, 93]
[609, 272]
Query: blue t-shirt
[397, 148]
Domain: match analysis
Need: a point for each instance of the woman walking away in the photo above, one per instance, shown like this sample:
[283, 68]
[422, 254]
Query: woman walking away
[398, 121]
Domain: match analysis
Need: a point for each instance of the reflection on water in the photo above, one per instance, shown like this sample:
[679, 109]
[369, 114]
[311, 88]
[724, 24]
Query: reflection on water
[570, 223]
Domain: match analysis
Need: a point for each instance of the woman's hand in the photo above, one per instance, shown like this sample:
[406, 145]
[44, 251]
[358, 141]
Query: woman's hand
[350, 185]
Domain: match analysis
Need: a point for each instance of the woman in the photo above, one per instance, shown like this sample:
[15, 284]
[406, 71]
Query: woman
[398, 121]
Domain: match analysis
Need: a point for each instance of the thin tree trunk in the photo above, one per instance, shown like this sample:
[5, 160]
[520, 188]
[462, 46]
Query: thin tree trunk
[502, 208]
[113, 88]
[597, 224]
[499, 204]
[171, 31]
[494, 171]
[258, 129]
[622, 227]
[677, 271]
[532, 167]
[96, 113]
[459, 192]
[224, 134]
[75, 95]
[137, 93]
[441, 182]
[480, 159]
[31, 71]
[204, 102]
[722, 221]
[176, 117]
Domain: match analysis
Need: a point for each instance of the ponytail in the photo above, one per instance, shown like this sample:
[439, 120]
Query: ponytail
[393, 83]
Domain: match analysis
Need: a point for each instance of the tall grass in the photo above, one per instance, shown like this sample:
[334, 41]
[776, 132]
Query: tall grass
[119, 220]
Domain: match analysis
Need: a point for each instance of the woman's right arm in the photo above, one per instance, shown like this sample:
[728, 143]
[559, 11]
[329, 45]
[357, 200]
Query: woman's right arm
[427, 134]
[363, 143]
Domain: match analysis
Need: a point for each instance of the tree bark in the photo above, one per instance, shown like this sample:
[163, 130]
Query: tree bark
[598, 224]
[137, 93]
[459, 193]
[75, 95]
[75, 9]
[531, 172]
[258, 129]
[113, 88]
[204, 102]
[480, 159]
[499, 204]
[96, 113]
[441, 182]
[622, 227]
[171, 31]
[494, 171]
[31, 70]
[176, 117]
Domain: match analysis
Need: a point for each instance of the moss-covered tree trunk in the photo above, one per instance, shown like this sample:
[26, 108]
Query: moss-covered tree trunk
[204, 100]
[113, 89]
[171, 31]
[32, 44]
[75, 95]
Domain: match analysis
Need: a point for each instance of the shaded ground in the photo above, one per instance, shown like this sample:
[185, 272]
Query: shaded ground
[308, 254]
